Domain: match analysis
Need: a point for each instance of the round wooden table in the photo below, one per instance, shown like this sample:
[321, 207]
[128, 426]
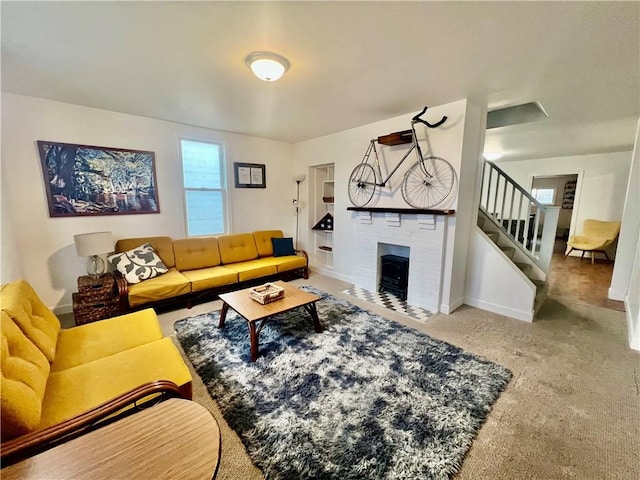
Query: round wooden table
[174, 439]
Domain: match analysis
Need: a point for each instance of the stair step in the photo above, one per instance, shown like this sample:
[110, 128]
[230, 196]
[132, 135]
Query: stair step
[508, 251]
[541, 288]
[524, 267]
[481, 221]
[494, 236]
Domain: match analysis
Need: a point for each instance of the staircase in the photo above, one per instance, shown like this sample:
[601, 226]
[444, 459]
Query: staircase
[515, 254]
[511, 249]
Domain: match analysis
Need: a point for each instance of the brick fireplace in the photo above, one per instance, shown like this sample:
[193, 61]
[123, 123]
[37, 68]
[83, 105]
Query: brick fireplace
[420, 237]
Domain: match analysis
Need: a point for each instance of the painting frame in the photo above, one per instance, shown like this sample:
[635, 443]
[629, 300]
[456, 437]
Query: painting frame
[89, 180]
[249, 175]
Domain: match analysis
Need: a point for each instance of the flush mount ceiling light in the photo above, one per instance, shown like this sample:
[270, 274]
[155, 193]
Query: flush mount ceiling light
[267, 66]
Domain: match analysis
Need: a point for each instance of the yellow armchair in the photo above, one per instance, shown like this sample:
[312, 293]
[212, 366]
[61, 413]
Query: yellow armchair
[597, 236]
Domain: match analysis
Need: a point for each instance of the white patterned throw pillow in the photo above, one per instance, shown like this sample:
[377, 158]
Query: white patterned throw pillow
[138, 264]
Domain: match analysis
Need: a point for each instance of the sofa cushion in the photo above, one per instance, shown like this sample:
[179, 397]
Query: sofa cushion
[211, 277]
[92, 341]
[78, 389]
[21, 303]
[162, 245]
[237, 247]
[138, 264]
[168, 285]
[284, 264]
[195, 253]
[25, 370]
[261, 267]
[283, 247]
[290, 262]
[263, 241]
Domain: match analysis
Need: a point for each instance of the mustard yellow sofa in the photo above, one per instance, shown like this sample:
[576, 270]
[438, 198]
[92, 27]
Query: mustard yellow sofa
[200, 265]
[55, 380]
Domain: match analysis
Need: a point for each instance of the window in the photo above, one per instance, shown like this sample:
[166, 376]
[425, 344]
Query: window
[204, 187]
[545, 196]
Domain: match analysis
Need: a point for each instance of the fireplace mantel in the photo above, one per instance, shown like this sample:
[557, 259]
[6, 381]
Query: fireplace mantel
[404, 211]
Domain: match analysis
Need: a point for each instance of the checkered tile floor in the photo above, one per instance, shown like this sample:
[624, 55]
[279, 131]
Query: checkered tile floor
[390, 301]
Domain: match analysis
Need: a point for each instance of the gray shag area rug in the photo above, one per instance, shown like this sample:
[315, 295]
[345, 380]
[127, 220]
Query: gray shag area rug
[367, 398]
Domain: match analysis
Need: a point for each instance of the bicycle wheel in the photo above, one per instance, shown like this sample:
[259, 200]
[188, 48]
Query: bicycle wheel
[428, 182]
[362, 184]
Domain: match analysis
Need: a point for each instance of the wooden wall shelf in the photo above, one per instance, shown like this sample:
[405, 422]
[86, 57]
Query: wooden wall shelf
[414, 211]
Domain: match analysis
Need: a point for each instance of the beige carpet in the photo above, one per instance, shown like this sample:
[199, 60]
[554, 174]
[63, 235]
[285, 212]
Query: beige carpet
[235, 464]
[571, 410]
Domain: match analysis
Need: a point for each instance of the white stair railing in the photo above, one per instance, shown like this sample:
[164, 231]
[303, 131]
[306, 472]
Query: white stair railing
[530, 225]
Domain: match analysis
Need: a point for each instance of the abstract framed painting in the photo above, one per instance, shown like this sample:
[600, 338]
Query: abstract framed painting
[84, 180]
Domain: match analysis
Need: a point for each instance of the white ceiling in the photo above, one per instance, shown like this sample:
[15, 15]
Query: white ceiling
[352, 63]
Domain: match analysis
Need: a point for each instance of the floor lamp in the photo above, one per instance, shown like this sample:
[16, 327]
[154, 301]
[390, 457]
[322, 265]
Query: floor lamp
[298, 179]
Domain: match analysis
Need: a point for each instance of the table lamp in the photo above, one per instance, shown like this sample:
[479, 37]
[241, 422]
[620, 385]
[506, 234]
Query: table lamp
[92, 245]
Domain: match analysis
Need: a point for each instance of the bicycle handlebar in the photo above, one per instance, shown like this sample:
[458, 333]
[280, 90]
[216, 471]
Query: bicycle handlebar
[430, 125]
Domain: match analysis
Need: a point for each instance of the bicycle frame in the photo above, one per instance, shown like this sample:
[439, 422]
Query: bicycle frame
[425, 184]
[378, 170]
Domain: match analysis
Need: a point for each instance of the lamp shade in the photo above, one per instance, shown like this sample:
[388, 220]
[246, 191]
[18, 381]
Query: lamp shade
[96, 243]
[299, 178]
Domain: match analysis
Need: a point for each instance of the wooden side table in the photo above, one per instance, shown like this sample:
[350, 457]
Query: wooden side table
[96, 299]
[174, 439]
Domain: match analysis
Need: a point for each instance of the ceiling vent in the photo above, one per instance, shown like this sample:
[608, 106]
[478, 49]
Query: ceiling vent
[525, 113]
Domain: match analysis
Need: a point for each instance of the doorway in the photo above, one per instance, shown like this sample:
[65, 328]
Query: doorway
[572, 279]
[558, 191]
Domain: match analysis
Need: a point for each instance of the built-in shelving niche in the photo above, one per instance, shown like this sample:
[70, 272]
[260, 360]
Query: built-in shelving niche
[322, 203]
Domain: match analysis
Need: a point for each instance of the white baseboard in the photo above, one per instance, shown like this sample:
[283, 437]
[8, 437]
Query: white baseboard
[450, 308]
[615, 295]
[329, 272]
[525, 316]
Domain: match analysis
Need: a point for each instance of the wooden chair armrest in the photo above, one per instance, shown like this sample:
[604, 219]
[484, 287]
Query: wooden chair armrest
[33, 442]
[305, 270]
[123, 291]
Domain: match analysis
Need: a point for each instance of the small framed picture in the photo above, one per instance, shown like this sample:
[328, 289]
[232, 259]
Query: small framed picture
[249, 175]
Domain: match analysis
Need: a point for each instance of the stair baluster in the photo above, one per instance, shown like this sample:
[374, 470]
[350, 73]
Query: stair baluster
[532, 227]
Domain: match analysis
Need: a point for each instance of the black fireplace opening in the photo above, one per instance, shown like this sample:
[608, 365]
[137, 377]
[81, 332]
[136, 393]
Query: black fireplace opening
[394, 275]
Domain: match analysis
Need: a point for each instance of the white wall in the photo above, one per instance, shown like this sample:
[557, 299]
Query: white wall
[460, 226]
[625, 281]
[45, 254]
[9, 264]
[494, 283]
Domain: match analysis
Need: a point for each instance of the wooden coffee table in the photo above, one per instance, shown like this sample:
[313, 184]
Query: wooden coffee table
[256, 313]
[175, 439]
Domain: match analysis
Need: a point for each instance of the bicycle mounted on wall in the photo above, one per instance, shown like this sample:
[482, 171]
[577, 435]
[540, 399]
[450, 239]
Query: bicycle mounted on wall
[426, 184]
